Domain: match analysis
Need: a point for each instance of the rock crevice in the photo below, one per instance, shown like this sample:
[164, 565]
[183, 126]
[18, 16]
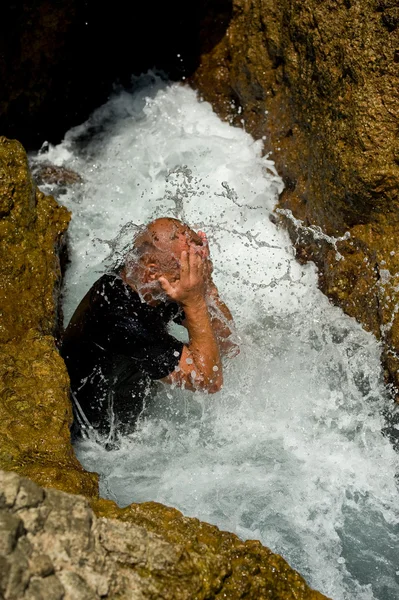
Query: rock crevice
[35, 412]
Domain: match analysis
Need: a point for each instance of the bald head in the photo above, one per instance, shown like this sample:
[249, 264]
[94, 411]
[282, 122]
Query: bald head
[168, 235]
[164, 239]
[158, 247]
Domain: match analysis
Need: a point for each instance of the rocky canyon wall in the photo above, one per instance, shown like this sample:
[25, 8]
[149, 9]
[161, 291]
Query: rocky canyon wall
[319, 81]
[35, 411]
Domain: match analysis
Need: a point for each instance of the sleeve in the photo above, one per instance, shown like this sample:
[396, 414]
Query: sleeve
[154, 351]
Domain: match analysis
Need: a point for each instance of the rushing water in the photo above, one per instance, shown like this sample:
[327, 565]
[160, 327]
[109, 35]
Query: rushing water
[291, 451]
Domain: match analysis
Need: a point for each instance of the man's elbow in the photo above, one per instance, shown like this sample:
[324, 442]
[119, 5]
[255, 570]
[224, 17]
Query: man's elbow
[229, 348]
[214, 385]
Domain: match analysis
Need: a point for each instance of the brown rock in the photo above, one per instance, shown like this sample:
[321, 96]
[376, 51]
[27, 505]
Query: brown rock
[55, 547]
[229, 567]
[35, 412]
[48, 173]
[321, 81]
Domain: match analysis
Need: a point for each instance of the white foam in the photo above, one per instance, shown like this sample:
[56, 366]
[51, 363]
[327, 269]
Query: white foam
[291, 451]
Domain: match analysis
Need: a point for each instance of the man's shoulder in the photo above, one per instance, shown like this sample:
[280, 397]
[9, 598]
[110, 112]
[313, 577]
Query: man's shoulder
[109, 295]
[110, 291]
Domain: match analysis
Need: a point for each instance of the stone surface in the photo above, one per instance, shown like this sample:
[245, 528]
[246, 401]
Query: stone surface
[35, 412]
[57, 180]
[53, 547]
[320, 80]
[47, 173]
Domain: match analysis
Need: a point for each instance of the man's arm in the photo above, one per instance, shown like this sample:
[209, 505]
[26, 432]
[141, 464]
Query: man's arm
[221, 318]
[200, 365]
[222, 322]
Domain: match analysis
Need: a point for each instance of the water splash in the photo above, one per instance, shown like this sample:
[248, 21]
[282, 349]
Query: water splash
[291, 451]
[315, 231]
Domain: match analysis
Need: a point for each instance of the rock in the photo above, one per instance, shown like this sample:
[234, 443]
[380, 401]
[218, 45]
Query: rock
[72, 554]
[35, 412]
[10, 530]
[320, 81]
[47, 173]
[56, 179]
[48, 588]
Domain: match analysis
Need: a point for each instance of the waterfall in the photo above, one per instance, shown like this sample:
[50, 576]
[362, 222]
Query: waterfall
[290, 452]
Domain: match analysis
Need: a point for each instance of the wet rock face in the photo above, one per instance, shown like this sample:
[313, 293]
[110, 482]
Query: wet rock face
[31, 227]
[35, 412]
[53, 546]
[321, 82]
[57, 180]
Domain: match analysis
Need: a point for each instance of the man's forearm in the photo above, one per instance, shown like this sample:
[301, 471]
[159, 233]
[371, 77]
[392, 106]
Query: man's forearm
[200, 366]
[222, 322]
[203, 345]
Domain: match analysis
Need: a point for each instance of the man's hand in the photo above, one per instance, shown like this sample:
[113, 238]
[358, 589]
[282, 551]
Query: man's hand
[200, 366]
[208, 266]
[190, 289]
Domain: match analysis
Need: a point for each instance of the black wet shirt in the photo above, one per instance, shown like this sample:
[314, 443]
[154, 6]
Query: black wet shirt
[115, 347]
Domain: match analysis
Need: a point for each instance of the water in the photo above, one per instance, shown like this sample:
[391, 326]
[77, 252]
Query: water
[291, 451]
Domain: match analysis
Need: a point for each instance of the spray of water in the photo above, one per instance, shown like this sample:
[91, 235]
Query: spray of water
[291, 451]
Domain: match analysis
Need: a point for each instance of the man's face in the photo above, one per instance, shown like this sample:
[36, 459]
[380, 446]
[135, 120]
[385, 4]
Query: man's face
[169, 239]
[181, 239]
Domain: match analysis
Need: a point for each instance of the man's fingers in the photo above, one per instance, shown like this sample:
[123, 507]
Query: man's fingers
[166, 286]
[202, 235]
[184, 267]
[195, 260]
[205, 244]
[184, 263]
[197, 265]
[192, 258]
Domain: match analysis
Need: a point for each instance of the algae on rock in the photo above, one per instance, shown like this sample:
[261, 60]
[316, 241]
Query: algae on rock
[53, 546]
[35, 412]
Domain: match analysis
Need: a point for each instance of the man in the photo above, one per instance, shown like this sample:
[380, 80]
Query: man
[117, 343]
